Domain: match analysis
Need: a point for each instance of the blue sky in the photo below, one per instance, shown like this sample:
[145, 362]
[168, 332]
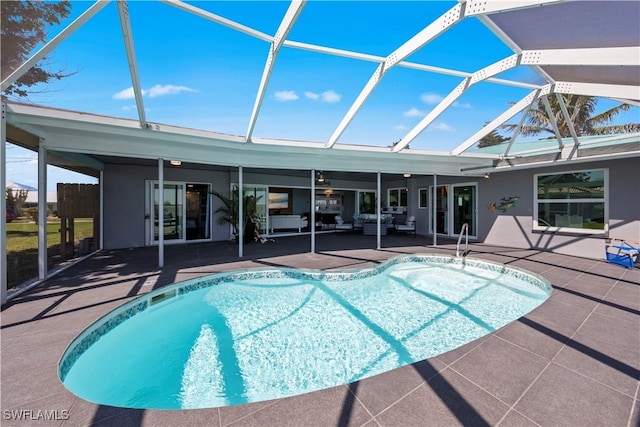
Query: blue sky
[199, 74]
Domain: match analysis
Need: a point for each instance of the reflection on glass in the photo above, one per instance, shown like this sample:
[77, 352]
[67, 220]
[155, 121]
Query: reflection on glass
[172, 211]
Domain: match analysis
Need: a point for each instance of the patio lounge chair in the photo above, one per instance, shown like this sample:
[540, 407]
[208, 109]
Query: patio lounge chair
[622, 252]
[408, 227]
[341, 225]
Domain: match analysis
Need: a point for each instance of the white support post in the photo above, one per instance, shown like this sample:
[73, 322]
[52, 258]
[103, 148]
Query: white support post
[160, 213]
[379, 209]
[240, 213]
[101, 211]
[3, 207]
[435, 210]
[42, 210]
[312, 211]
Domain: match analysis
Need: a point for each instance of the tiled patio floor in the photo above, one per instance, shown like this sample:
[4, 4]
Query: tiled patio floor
[574, 361]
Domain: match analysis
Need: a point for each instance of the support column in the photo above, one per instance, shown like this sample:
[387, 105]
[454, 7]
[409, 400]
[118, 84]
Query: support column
[42, 210]
[435, 210]
[379, 210]
[312, 211]
[101, 212]
[240, 213]
[160, 213]
[3, 206]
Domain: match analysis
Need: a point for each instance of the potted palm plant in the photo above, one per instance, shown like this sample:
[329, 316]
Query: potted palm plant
[230, 209]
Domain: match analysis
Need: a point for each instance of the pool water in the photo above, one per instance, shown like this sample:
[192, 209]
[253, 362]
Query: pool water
[258, 336]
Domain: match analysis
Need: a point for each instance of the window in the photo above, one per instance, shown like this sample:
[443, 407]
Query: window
[366, 202]
[571, 200]
[423, 198]
[397, 197]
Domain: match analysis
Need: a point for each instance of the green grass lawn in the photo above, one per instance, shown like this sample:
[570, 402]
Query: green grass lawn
[22, 247]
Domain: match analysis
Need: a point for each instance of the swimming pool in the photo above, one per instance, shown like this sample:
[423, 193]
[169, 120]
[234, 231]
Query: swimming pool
[247, 336]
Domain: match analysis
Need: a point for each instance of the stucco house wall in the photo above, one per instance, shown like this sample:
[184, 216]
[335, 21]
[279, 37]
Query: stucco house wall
[124, 200]
[514, 227]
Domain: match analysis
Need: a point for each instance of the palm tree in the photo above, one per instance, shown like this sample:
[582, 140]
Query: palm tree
[231, 206]
[581, 110]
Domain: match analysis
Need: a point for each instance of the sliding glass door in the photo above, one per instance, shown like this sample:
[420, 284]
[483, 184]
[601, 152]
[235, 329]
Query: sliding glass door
[186, 210]
[456, 204]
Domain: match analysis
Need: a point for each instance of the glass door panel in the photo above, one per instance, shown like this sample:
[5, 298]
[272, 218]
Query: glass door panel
[442, 209]
[464, 202]
[260, 195]
[173, 211]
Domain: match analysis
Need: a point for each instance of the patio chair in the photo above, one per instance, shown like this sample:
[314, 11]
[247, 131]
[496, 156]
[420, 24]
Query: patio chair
[341, 225]
[408, 227]
[622, 252]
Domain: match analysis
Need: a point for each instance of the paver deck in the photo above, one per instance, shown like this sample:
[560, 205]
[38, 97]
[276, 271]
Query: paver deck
[573, 361]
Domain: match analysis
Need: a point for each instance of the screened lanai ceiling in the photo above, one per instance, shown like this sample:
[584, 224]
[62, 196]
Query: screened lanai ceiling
[426, 78]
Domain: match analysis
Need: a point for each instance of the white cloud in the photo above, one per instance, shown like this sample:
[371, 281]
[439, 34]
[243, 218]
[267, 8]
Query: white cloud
[430, 98]
[157, 90]
[311, 95]
[414, 112]
[286, 95]
[330, 96]
[443, 127]
[161, 90]
[462, 105]
[400, 127]
[125, 94]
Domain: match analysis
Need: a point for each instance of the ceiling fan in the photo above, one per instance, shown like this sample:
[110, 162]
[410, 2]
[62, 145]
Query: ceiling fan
[320, 179]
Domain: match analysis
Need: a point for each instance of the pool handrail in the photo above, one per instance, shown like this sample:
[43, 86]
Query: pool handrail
[465, 230]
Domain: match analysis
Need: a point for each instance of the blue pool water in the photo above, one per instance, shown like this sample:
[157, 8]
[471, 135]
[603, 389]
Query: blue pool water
[255, 335]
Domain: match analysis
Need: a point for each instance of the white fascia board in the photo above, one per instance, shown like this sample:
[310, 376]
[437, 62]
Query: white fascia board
[81, 159]
[127, 35]
[495, 123]
[294, 10]
[592, 56]
[40, 118]
[598, 89]
[484, 7]
[431, 31]
[53, 43]
[219, 20]
[480, 75]
[259, 156]
[535, 165]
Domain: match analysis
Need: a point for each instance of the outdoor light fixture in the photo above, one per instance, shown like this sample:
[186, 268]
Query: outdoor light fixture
[406, 175]
[175, 162]
[486, 175]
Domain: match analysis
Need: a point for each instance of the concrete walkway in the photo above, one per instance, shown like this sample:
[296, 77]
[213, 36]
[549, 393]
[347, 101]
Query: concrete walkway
[573, 361]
